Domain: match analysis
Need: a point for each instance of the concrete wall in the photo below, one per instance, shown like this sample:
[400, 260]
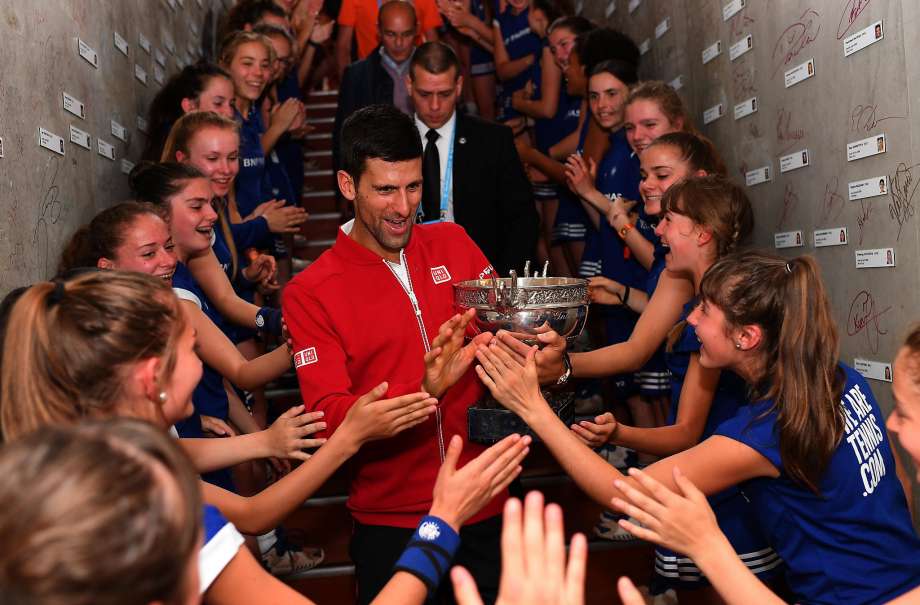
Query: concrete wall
[849, 98]
[45, 196]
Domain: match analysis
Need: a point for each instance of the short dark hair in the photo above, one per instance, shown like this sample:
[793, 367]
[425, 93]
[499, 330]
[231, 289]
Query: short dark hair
[435, 58]
[603, 44]
[377, 131]
[249, 12]
[269, 30]
[623, 71]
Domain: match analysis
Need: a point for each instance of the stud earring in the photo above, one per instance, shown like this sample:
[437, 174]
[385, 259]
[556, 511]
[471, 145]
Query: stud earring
[738, 344]
[162, 396]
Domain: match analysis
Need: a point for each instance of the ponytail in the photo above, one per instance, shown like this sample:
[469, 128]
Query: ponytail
[67, 345]
[798, 353]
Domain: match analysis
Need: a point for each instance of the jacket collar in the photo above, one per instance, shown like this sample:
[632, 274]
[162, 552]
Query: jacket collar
[352, 252]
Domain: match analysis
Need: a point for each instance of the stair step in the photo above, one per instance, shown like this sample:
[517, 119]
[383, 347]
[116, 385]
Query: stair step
[322, 226]
[327, 172]
[321, 105]
[324, 216]
[318, 153]
[313, 251]
[323, 93]
[321, 126]
[318, 136]
[322, 200]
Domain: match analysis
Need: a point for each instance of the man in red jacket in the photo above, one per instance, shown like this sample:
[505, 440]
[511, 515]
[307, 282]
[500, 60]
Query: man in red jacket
[379, 306]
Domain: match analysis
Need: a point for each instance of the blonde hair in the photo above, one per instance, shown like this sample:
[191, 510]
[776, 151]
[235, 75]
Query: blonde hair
[186, 127]
[68, 344]
[667, 99]
[233, 41]
[101, 513]
[180, 138]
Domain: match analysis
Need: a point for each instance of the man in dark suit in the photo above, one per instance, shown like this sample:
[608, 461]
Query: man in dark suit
[472, 173]
[378, 78]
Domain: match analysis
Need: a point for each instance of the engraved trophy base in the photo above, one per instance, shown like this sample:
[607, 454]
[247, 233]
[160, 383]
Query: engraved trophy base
[490, 422]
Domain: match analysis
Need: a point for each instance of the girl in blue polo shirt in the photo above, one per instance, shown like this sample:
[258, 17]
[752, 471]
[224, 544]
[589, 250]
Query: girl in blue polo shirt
[817, 463]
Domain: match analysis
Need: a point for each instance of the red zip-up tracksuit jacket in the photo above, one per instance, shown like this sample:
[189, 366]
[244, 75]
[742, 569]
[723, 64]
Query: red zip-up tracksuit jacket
[355, 325]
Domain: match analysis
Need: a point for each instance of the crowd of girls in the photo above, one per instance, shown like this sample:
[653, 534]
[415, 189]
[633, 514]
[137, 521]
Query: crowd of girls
[768, 469]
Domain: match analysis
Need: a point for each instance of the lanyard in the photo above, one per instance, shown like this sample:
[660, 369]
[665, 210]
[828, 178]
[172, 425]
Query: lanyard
[448, 177]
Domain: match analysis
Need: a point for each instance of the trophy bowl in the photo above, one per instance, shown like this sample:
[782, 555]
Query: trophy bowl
[524, 307]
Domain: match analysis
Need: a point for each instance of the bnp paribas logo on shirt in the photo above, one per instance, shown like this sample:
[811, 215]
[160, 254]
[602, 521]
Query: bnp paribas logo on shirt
[253, 162]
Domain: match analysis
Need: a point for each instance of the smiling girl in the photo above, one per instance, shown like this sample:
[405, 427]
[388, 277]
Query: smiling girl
[809, 452]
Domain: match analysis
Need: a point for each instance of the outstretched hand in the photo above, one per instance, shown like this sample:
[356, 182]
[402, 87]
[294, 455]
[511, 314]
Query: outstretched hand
[683, 521]
[581, 174]
[460, 494]
[286, 435]
[597, 433]
[548, 359]
[372, 418]
[514, 386]
[534, 568]
[449, 358]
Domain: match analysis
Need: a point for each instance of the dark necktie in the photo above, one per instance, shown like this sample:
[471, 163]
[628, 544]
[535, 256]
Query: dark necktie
[431, 174]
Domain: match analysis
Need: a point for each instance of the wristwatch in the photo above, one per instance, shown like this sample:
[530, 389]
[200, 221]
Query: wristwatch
[568, 369]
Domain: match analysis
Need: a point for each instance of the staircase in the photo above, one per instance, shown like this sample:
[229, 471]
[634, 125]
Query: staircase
[319, 198]
[324, 520]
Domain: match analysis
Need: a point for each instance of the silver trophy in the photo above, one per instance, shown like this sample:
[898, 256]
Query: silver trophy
[524, 306]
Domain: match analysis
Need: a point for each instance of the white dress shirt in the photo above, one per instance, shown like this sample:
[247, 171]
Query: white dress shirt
[445, 134]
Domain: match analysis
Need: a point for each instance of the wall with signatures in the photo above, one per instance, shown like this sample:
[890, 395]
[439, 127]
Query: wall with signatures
[810, 102]
[78, 76]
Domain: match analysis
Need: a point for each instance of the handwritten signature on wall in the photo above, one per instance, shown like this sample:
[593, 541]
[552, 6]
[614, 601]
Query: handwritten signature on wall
[851, 10]
[790, 202]
[833, 202]
[864, 318]
[865, 213]
[51, 211]
[866, 118]
[787, 134]
[903, 188]
[795, 38]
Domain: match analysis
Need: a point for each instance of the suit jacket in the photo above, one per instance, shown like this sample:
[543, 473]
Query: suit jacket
[492, 198]
[365, 82]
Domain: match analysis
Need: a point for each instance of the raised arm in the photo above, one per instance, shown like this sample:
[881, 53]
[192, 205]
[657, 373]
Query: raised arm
[696, 397]
[714, 465]
[370, 418]
[214, 282]
[216, 350]
[660, 315]
[546, 106]
[506, 67]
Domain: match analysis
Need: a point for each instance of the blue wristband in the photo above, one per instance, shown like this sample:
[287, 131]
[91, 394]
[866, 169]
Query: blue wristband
[430, 552]
[268, 320]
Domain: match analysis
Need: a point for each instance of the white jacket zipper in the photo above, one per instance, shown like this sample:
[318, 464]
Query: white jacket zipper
[410, 292]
